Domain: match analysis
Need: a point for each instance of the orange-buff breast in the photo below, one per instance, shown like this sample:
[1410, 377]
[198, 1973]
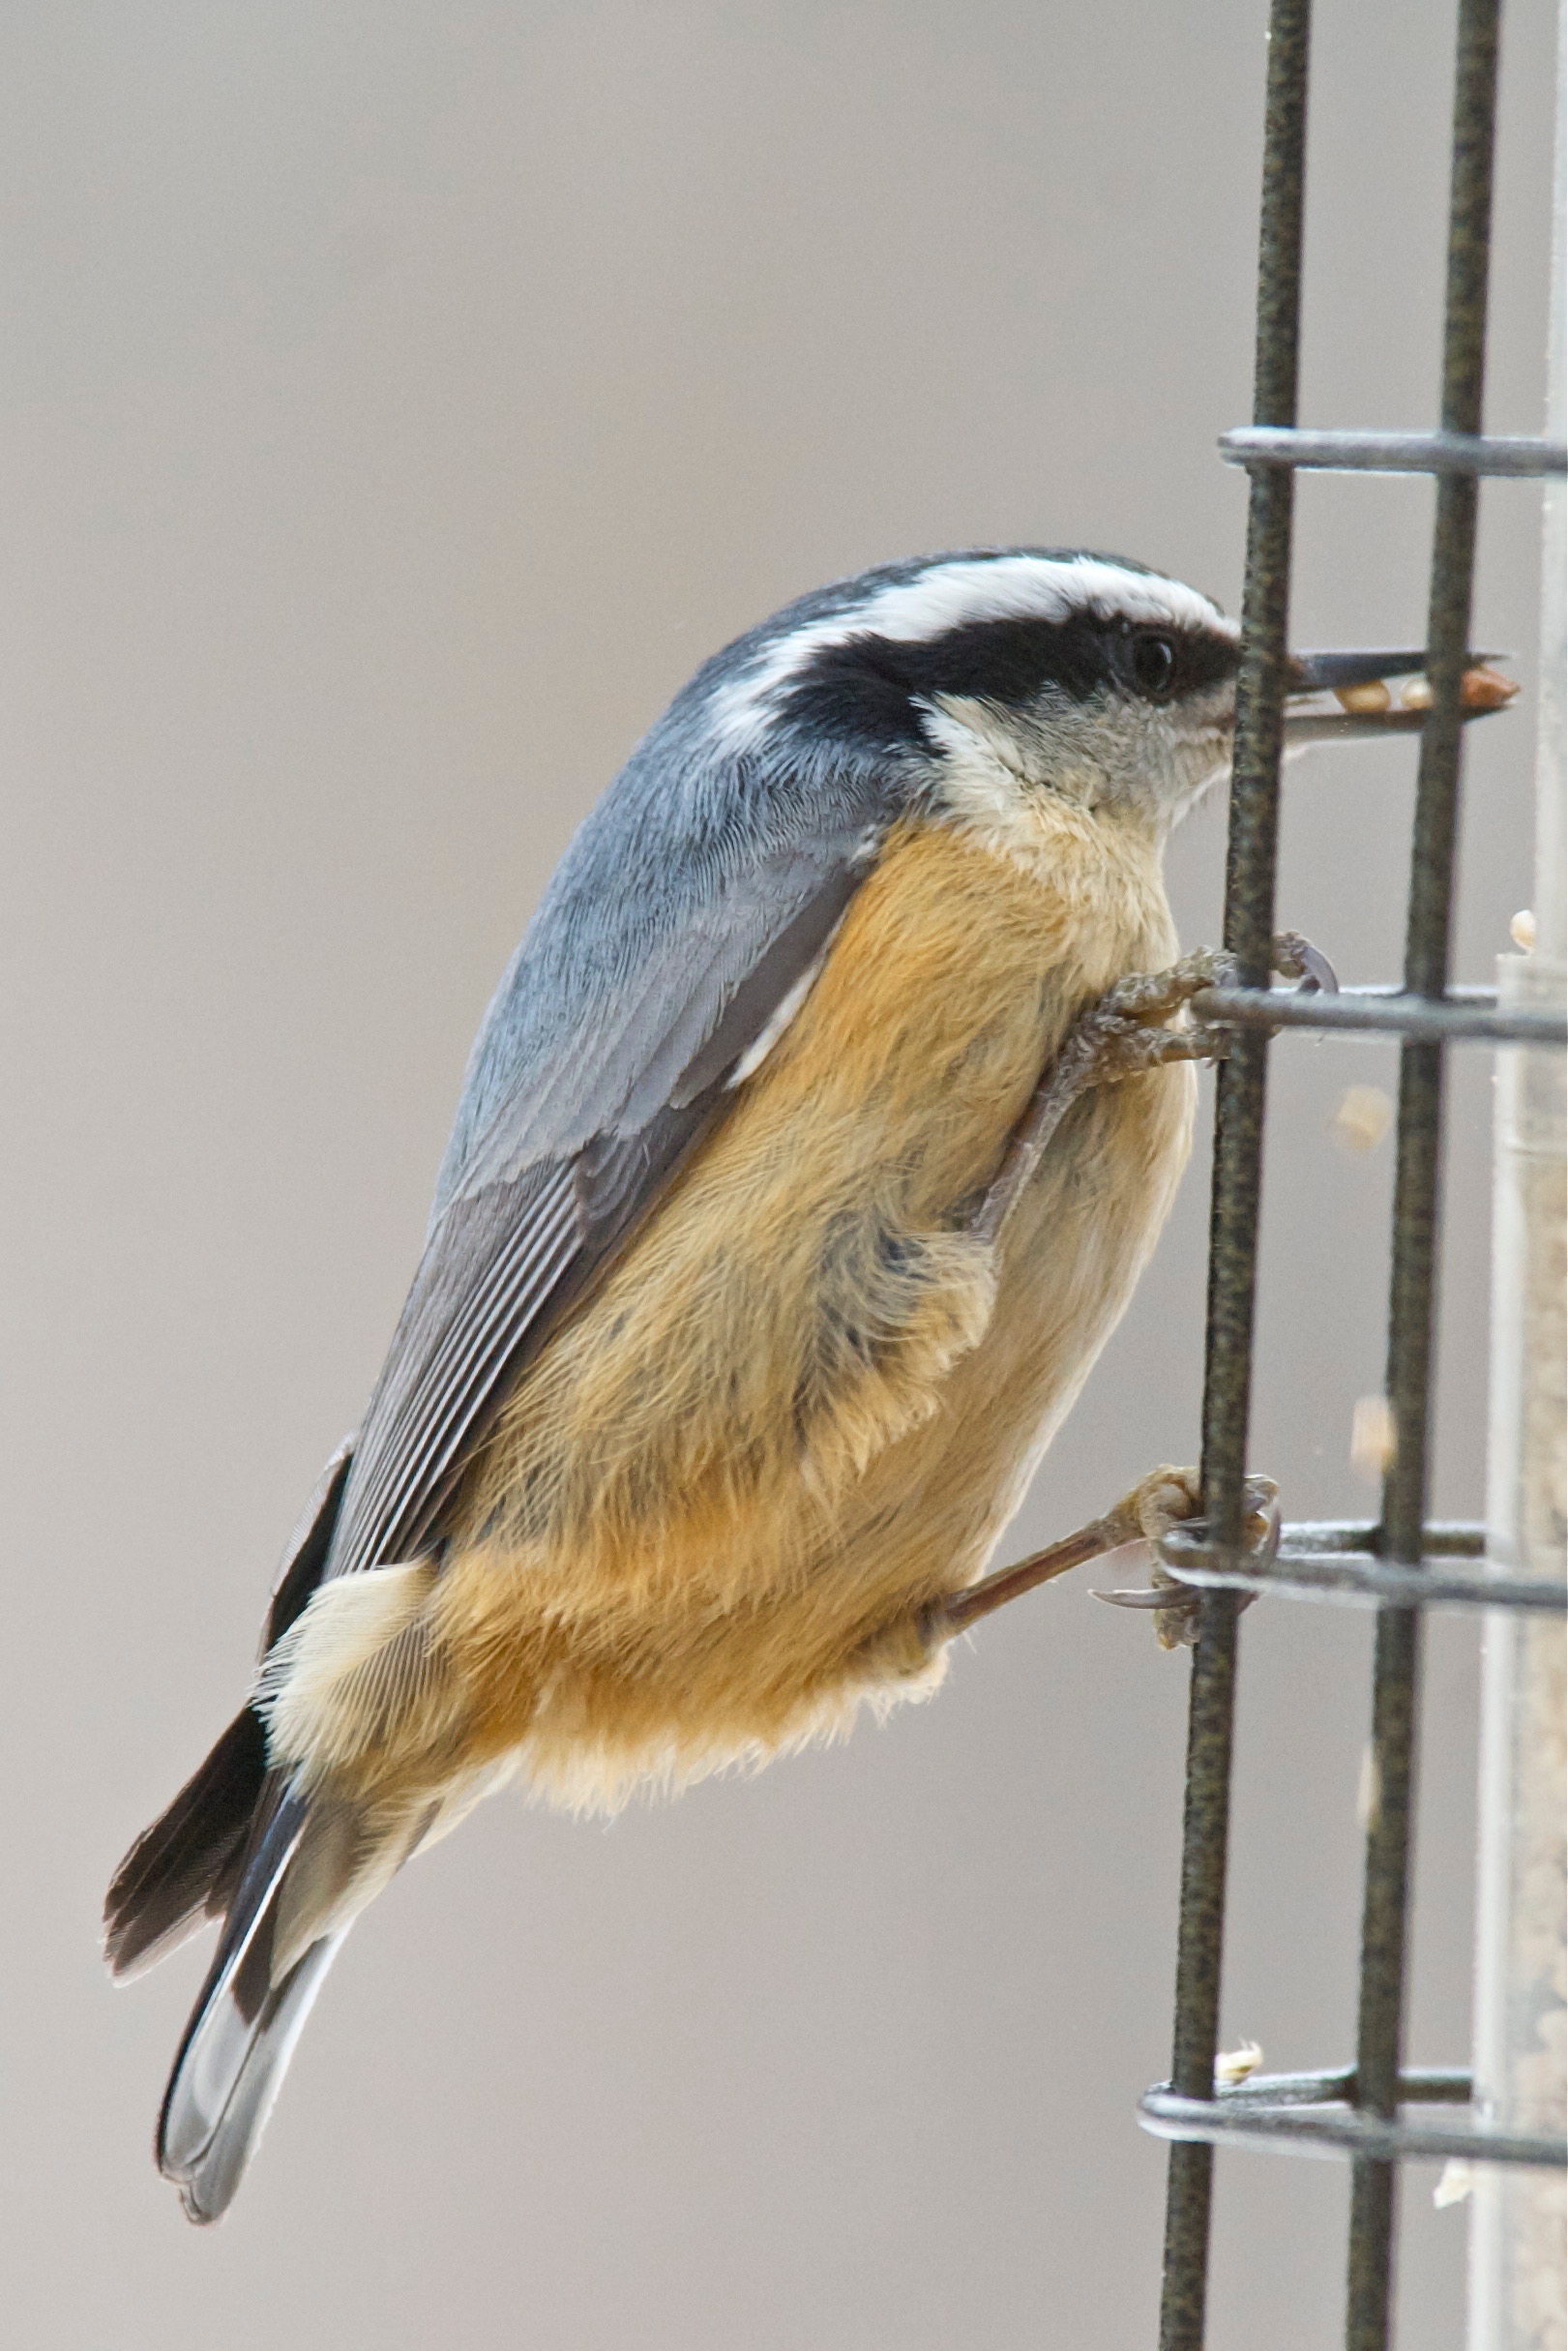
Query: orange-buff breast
[804, 1402]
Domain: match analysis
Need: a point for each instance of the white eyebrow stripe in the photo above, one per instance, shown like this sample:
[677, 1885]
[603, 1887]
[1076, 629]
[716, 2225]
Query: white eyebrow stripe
[951, 596]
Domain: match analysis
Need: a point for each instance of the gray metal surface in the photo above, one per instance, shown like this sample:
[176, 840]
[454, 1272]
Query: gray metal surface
[1471, 453]
[1381, 1012]
[1338, 1560]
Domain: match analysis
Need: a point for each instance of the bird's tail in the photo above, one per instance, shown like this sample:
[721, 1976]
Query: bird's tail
[205, 2138]
[235, 1844]
[223, 1846]
[186, 1867]
[248, 2018]
[315, 1860]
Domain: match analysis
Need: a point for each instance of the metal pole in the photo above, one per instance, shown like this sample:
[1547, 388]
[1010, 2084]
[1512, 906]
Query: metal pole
[1518, 2248]
[1249, 929]
[1413, 1291]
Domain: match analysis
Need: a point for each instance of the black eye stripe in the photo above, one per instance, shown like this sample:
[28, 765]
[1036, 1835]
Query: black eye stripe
[869, 686]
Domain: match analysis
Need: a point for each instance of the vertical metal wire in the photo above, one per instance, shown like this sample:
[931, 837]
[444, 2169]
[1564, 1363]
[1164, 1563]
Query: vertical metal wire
[1249, 927]
[1412, 1294]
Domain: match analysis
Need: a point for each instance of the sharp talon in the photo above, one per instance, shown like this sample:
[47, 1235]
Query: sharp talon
[1319, 975]
[1297, 958]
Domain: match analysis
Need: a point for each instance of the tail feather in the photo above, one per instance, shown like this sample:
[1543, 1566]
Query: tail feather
[287, 1874]
[227, 2082]
[243, 2027]
[312, 1863]
[185, 1866]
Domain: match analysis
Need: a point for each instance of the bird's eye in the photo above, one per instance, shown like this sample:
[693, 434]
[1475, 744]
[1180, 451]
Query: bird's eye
[1154, 666]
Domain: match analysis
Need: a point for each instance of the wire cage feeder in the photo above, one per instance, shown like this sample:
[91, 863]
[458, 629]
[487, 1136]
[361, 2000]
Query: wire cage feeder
[1402, 1565]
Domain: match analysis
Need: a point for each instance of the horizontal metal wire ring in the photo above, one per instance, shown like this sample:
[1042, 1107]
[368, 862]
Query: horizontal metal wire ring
[1336, 1563]
[1272, 2112]
[1431, 1019]
[1393, 451]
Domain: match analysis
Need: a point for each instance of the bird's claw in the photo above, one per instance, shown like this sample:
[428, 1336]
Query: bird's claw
[1123, 1032]
[1296, 958]
[1169, 1498]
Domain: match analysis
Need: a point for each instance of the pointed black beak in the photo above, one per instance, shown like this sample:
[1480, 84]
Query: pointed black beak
[1363, 702]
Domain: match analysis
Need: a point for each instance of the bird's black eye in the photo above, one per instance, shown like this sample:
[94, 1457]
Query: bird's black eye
[1153, 664]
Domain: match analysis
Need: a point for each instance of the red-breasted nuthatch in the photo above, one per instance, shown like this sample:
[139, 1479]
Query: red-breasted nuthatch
[788, 1204]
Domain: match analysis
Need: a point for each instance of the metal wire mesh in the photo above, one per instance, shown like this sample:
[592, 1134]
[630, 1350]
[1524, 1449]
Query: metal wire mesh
[1402, 1564]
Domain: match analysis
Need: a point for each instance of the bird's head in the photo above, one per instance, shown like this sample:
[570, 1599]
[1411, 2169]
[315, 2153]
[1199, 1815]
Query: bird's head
[990, 679]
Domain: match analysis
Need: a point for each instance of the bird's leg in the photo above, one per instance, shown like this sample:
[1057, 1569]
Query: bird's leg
[1099, 1539]
[1120, 1035]
[1158, 1503]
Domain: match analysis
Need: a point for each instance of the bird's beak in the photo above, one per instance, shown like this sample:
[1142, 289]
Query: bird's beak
[1333, 695]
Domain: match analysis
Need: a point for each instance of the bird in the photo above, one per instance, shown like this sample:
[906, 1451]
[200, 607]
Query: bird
[809, 1153]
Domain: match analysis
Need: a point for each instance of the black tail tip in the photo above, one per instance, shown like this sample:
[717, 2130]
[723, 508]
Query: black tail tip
[183, 1869]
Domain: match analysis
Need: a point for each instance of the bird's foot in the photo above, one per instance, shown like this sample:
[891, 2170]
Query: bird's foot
[1169, 1498]
[1123, 1032]
[1154, 996]
[1121, 1035]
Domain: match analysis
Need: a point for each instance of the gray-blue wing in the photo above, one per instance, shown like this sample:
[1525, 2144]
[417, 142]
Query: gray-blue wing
[583, 1117]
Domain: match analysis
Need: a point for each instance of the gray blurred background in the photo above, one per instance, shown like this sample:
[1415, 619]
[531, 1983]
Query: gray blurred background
[399, 400]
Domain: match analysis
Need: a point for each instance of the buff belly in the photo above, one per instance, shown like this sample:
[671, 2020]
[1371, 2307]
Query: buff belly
[805, 1403]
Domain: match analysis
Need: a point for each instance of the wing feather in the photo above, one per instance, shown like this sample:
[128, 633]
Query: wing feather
[515, 1246]
[482, 1278]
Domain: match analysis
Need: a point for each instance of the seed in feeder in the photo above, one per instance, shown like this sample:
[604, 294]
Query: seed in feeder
[1371, 1438]
[1521, 930]
[1363, 1117]
[1485, 689]
[1416, 695]
[1374, 695]
[1455, 2183]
